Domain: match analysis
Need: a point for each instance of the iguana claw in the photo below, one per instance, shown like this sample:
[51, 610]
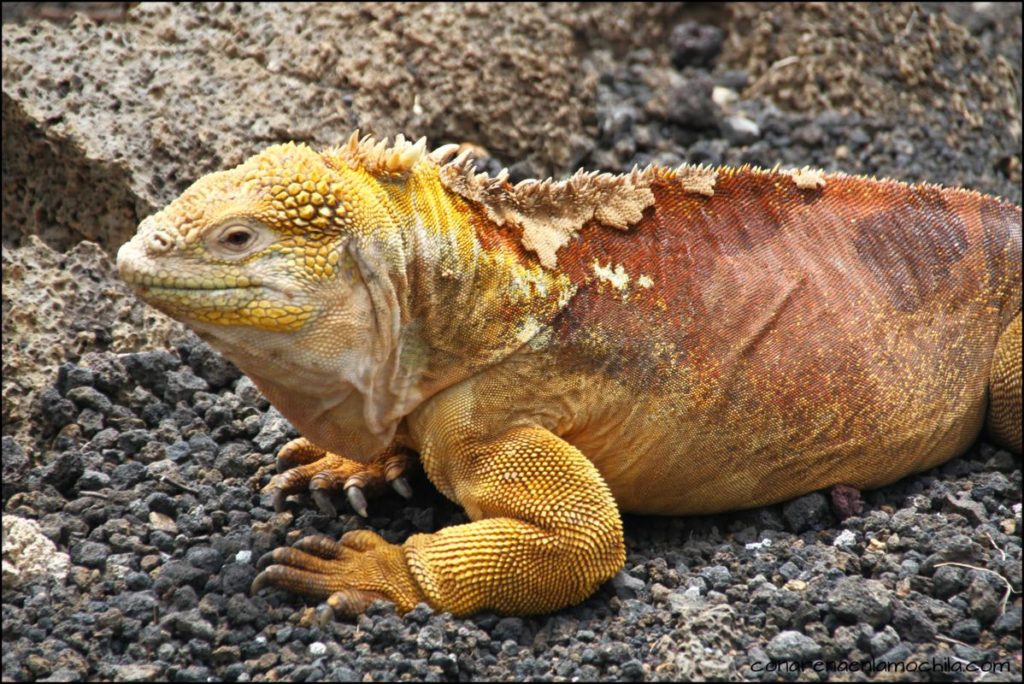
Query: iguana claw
[278, 497]
[265, 560]
[324, 615]
[323, 501]
[262, 581]
[358, 501]
[401, 485]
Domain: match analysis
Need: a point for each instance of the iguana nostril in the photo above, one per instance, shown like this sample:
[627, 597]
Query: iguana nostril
[158, 243]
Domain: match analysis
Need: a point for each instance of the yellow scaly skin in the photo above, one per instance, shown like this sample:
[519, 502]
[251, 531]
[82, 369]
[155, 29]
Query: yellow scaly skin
[670, 341]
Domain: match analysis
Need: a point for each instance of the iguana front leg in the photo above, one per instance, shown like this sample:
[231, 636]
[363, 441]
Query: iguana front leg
[545, 533]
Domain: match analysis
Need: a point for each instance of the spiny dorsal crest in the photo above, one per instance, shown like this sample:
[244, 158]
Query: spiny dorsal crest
[698, 179]
[549, 212]
[379, 159]
[807, 178]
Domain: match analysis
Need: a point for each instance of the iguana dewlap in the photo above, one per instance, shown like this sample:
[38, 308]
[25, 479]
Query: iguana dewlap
[664, 341]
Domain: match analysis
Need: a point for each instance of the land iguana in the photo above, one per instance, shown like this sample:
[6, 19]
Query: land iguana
[667, 341]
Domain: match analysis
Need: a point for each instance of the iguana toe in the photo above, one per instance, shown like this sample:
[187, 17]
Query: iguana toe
[320, 545]
[361, 540]
[289, 555]
[299, 451]
[293, 579]
[352, 602]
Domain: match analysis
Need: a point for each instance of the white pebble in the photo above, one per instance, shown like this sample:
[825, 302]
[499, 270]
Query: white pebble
[846, 538]
[756, 546]
[724, 97]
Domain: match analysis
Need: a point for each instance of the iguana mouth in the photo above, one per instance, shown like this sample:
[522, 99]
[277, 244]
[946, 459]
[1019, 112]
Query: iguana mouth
[157, 283]
[212, 289]
[254, 304]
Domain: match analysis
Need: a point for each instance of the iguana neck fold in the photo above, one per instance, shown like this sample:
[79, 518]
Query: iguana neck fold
[466, 294]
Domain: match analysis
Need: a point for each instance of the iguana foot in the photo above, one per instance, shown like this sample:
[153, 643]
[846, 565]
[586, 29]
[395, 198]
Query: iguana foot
[351, 573]
[305, 466]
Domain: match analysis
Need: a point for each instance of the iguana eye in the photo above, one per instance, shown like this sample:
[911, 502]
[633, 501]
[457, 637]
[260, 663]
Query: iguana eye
[237, 238]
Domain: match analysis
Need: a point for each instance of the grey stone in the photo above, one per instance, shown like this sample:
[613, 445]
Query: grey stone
[15, 468]
[430, 638]
[508, 628]
[717, 576]
[793, 645]
[90, 397]
[90, 554]
[861, 600]
[808, 512]
[740, 130]
[182, 384]
[694, 44]
[274, 432]
[626, 586]
[984, 599]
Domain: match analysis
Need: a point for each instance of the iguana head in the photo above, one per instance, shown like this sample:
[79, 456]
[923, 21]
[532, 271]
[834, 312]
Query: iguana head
[283, 264]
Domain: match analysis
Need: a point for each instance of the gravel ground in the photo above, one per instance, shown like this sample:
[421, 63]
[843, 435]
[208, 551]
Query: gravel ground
[132, 522]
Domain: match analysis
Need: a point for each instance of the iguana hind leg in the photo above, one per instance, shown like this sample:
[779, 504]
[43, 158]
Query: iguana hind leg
[305, 465]
[1004, 411]
[546, 534]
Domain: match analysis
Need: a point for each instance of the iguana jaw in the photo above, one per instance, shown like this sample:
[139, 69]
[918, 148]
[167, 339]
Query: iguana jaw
[221, 295]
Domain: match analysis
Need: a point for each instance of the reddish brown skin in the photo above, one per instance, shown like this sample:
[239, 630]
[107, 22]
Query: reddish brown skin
[909, 242]
[781, 303]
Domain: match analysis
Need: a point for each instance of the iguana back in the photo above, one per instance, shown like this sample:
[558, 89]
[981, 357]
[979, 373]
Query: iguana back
[778, 339]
